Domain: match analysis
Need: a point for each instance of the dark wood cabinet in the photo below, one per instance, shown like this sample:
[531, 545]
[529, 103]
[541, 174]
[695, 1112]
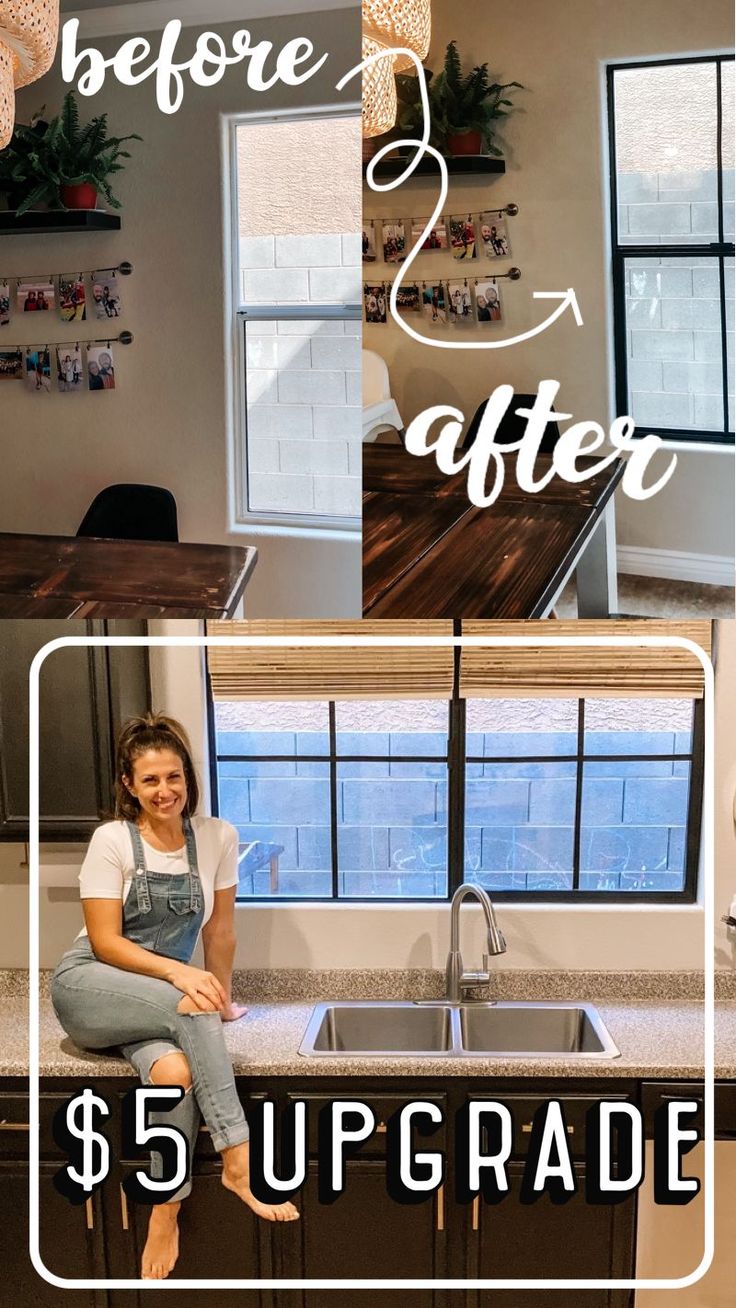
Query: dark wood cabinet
[84, 694]
[363, 1234]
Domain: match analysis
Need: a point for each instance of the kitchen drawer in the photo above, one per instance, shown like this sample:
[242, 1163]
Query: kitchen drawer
[384, 1106]
[523, 1108]
[15, 1112]
[655, 1094]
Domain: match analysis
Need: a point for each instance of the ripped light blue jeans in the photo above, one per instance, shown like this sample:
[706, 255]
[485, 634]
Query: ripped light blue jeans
[101, 1006]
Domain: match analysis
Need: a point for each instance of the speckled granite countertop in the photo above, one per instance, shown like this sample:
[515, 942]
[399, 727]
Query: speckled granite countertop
[655, 1019]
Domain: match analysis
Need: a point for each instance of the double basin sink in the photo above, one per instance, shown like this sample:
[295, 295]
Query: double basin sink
[441, 1029]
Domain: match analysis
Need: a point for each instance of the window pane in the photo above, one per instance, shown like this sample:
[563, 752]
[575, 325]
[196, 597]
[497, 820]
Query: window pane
[519, 826]
[728, 146]
[634, 820]
[392, 728]
[666, 154]
[729, 269]
[509, 728]
[304, 417]
[299, 186]
[253, 727]
[392, 833]
[283, 816]
[674, 343]
[638, 726]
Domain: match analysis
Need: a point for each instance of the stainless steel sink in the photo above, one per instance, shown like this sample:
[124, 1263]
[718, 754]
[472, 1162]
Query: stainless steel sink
[534, 1029]
[437, 1029]
[378, 1029]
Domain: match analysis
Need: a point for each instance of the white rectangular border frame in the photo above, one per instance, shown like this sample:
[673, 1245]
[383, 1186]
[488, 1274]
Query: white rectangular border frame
[667, 642]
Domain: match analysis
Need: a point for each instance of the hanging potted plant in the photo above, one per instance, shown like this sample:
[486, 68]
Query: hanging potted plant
[464, 109]
[61, 163]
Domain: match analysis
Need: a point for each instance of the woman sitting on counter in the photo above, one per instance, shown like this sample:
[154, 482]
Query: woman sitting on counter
[152, 880]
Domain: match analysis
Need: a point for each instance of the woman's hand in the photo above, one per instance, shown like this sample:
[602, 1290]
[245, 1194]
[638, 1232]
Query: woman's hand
[231, 1012]
[203, 988]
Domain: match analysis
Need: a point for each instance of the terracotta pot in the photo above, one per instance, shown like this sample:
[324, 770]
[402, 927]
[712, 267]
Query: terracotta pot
[79, 197]
[464, 143]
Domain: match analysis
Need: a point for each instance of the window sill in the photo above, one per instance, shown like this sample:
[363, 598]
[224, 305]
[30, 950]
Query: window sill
[351, 533]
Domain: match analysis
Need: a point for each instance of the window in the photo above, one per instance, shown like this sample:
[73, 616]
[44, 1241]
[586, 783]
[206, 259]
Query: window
[297, 274]
[403, 800]
[672, 140]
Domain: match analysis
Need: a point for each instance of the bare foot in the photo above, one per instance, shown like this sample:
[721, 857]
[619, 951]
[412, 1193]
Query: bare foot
[162, 1245]
[236, 1177]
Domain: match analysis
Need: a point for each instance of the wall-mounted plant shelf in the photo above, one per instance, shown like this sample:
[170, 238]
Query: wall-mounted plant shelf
[458, 165]
[39, 222]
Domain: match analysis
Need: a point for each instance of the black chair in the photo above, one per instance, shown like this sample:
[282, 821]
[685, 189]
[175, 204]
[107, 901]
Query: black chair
[132, 513]
[512, 428]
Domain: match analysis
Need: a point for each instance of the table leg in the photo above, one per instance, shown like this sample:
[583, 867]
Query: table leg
[274, 875]
[596, 575]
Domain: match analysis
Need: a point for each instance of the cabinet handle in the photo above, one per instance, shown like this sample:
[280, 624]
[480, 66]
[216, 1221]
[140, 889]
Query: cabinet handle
[381, 1129]
[476, 1213]
[15, 1126]
[90, 1215]
[124, 1209]
[441, 1208]
[527, 1129]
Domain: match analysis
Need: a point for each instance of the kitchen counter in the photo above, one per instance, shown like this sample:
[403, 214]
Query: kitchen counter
[658, 1038]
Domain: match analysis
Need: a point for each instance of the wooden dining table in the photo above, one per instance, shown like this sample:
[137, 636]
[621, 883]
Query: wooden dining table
[428, 552]
[83, 577]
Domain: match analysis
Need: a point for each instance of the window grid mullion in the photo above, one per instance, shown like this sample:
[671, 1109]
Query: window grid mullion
[334, 844]
[578, 796]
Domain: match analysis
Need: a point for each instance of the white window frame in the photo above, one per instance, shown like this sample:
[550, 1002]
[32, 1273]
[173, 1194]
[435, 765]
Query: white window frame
[237, 315]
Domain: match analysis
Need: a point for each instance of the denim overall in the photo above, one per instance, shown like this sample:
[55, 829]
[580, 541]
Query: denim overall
[163, 913]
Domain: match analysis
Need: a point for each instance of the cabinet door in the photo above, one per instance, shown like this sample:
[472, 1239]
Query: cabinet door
[543, 1239]
[219, 1239]
[363, 1234]
[84, 694]
[70, 1241]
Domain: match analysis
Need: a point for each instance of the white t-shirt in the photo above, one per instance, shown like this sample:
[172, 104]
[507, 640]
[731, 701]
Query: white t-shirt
[109, 865]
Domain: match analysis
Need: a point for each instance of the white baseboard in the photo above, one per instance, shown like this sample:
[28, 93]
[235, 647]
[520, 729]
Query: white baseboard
[676, 565]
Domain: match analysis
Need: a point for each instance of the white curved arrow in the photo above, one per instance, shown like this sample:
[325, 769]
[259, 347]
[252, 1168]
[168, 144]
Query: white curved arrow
[568, 299]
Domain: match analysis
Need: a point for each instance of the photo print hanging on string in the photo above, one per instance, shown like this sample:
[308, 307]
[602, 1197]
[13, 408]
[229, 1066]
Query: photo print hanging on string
[460, 303]
[100, 368]
[437, 238]
[462, 237]
[11, 365]
[36, 297]
[394, 242]
[408, 299]
[434, 305]
[488, 301]
[375, 301]
[494, 236]
[107, 301]
[72, 299]
[369, 243]
[38, 370]
[4, 304]
[69, 370]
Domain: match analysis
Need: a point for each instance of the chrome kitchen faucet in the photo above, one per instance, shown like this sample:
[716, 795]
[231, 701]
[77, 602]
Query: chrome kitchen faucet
[457, 979]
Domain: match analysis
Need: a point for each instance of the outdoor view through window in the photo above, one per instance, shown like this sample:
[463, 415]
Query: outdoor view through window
[299, 292]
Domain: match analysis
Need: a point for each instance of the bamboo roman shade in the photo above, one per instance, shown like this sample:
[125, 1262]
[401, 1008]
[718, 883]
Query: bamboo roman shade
[497, 671]
[319, 672]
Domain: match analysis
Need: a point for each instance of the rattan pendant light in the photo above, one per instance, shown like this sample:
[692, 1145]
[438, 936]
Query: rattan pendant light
[29, 31]
[388, 24]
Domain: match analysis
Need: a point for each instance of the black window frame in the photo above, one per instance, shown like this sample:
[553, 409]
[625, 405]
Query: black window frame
[457, 759]
[719, 250]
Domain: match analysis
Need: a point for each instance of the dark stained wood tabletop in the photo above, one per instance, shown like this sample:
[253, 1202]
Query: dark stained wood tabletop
[429, 553]
[391, 468]
[59, 576]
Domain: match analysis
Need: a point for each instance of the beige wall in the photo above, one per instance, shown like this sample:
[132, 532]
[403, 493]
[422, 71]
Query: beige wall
[304, 935]
[166, 423]
[555, 153]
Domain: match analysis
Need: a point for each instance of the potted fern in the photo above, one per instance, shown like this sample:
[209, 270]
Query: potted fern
[464, 107]
[62, 163]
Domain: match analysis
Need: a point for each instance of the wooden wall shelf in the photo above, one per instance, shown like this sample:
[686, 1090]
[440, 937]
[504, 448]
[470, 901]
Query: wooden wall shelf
[458, 165]
[42, 222]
